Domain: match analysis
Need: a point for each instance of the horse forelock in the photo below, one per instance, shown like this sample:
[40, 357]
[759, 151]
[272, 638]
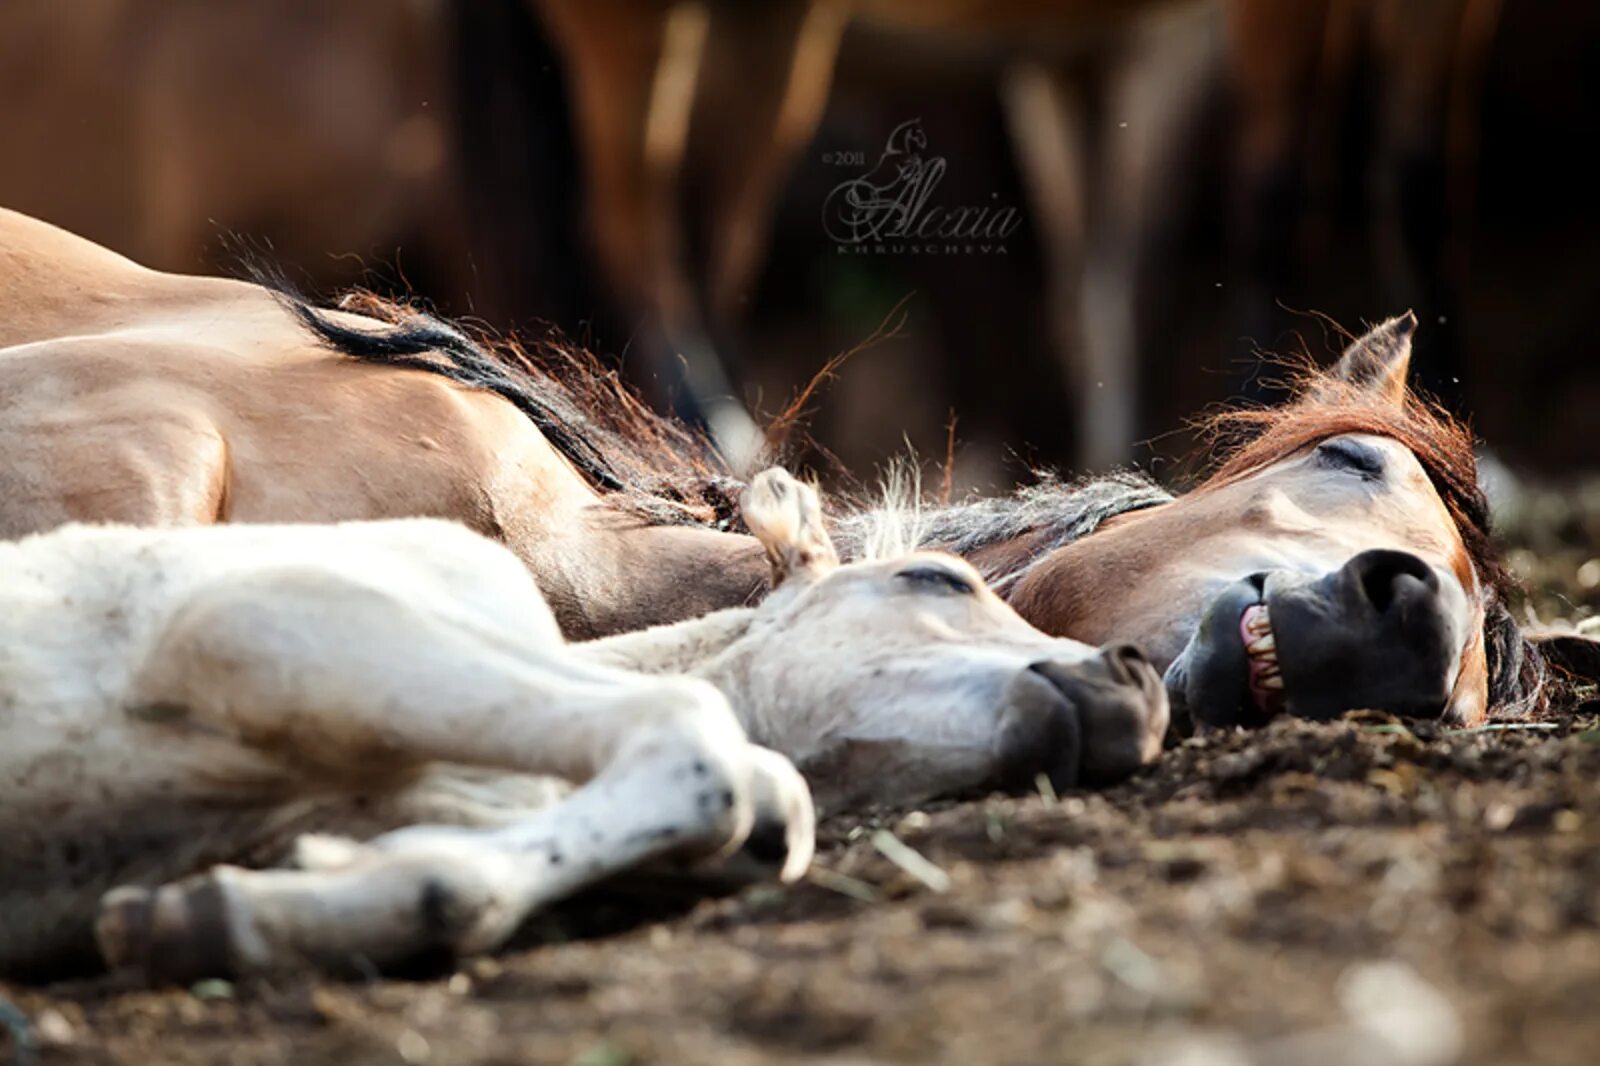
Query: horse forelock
[1248, 440]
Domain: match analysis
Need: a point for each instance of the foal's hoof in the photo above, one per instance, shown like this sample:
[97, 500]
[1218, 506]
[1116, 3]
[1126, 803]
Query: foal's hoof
[784, 835]
[175, 934]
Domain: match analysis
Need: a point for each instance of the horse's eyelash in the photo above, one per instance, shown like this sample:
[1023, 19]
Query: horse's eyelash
[933, 575]
[1357, 459]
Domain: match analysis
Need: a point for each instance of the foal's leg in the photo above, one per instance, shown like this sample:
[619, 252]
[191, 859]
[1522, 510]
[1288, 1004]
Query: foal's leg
[352, 682]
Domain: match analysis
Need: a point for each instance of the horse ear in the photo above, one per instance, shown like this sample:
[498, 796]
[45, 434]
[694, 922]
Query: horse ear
[786, 517]
[1380, 358]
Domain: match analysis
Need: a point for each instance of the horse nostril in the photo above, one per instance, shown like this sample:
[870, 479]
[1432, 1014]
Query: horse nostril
[1378, 573]
[1050, 670]
[1125, 661]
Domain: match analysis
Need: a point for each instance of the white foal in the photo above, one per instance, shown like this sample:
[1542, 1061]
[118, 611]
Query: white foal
[174, 699]
[902, 677]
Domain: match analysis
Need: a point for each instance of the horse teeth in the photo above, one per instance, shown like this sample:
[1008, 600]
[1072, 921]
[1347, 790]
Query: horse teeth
[1273, 682]
[1265, 642]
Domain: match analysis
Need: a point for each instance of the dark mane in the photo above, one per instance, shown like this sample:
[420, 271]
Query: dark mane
[649, 465]
[1063, 511]
[1250, 439]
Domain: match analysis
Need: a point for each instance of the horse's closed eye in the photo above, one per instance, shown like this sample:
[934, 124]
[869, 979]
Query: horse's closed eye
[1355, 456]
[937, 578]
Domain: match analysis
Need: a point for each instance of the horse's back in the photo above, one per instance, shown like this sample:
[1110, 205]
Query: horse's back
[50, 279]
[56, 284]
[130, 395]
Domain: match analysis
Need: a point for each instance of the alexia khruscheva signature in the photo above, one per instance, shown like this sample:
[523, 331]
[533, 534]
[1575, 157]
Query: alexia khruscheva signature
[889, 210]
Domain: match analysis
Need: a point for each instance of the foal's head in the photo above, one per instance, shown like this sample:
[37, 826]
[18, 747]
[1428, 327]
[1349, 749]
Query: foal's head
[907, 675]
[1339, 559]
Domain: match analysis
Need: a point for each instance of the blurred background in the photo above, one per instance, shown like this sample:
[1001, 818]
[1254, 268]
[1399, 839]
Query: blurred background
[1064, 226]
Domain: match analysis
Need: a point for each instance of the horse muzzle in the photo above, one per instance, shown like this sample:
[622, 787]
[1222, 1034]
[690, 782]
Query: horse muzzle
[1385, 631]
[1086, 723]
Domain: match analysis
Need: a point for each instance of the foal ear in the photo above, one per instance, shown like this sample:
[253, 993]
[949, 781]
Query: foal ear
[786, 518]
[1380, 358]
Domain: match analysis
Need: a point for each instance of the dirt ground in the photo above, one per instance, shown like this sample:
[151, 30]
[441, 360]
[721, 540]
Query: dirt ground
[1368, 891]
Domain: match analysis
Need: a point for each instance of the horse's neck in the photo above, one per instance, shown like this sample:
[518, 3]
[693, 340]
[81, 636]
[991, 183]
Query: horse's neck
[690, 647]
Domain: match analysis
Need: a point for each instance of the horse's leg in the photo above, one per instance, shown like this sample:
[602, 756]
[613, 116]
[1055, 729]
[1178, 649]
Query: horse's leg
[348, 682]
[1283, 61]
[765, 85]
[433, 893]
[1093, 140]
[1431, 57]
[633, 69]
[1046, 113]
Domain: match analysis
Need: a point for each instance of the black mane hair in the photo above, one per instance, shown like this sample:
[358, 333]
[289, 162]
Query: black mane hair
[646, 464]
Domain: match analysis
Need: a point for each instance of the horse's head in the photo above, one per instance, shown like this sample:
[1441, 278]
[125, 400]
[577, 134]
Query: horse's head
[911, 670]
[1339, 559]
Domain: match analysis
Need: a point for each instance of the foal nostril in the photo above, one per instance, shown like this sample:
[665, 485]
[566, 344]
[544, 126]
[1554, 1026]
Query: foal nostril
[1066, 677]
[1380, 572]
[1100, 725]
[1125, 661]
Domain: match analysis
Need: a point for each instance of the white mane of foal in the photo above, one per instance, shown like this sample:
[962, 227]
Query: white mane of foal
[175, 699]
[899, 522]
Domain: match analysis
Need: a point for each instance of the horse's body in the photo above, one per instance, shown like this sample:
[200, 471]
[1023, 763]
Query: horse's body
[222, 407]
[172, 699]
[135, 396]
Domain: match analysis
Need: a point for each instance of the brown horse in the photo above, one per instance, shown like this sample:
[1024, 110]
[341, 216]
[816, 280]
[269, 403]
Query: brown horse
[1339, 558]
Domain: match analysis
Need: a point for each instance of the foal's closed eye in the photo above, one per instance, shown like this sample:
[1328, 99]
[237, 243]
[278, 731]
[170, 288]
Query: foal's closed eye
[938, 579]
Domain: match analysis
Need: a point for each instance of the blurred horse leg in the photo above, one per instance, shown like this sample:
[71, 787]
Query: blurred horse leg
[634, 67]
[1096, 144]
[763, 91]
[1431, 54]
[1047, 116]
[1279, 60]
